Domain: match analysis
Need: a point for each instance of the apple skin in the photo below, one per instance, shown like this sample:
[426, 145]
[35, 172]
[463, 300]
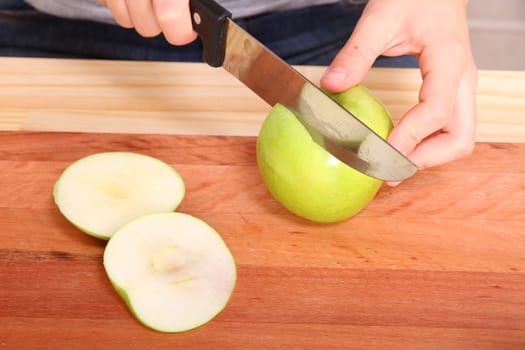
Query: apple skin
[305, 178]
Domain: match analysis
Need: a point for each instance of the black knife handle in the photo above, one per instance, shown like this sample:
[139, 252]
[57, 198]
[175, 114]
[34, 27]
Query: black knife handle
[210, 21]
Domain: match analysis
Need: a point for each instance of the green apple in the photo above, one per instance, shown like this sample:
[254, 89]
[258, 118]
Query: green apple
[303, 176]
[173, 270]
[101, 192]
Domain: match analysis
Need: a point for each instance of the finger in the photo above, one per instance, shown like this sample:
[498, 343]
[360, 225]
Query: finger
[119, 10]
[174, 19]
[437, 98]
[457, 138]
[143, 17]
[353, 61]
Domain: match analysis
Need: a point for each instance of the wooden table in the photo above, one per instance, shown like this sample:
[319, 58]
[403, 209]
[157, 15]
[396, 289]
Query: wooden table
[436, 263]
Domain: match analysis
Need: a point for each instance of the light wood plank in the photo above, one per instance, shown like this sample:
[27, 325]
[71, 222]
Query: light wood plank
[162, 97]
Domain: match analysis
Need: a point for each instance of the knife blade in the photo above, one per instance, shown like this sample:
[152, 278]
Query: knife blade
[331, 126]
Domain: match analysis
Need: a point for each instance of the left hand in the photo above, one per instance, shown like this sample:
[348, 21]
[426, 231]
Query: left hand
[441, 127]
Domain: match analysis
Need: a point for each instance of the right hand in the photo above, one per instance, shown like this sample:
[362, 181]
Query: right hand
[152, 17]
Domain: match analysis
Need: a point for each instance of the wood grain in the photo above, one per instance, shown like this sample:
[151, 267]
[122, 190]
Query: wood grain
[193, 98]
[436, 263]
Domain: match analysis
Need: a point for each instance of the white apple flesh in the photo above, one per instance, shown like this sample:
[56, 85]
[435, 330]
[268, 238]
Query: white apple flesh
[173, 270]
[101, 192]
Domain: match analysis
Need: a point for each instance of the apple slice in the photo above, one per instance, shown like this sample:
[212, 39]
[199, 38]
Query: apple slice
[173, 270]
[101, 192]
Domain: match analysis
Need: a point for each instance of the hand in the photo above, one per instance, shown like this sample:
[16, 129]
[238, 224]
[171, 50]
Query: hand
[152, 17]
[441, 127]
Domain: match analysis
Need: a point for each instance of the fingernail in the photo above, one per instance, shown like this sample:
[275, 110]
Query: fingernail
[335, 74]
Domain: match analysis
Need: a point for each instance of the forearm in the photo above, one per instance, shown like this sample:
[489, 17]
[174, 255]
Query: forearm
[96, 11]
[75, 9]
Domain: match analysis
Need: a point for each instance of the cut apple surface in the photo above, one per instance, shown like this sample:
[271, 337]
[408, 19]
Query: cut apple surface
[101, 192]
[173, 270]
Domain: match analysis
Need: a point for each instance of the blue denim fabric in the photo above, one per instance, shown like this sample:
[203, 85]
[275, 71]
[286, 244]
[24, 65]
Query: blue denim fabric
[306, 36]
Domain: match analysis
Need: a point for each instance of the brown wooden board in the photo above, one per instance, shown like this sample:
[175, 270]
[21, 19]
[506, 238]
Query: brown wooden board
[438, 262]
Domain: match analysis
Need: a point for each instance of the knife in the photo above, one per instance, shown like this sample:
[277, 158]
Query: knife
[331, 126]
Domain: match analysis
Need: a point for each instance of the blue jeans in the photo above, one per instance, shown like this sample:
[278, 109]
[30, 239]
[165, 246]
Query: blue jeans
[309, 36]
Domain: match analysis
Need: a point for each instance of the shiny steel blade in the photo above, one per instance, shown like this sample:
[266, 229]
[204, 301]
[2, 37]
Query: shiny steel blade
[329, 124]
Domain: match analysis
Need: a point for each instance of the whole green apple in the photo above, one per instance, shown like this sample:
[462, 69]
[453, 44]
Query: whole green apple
[304, 177]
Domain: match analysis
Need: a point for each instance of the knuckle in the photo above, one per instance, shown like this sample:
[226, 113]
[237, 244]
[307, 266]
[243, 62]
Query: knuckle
[458, 50]
[439, 114]
[466, 147]
[461, 145]
[123, 20]
[148, 31]
[353, 53]
[414, 138]
[151, 33]
[179, 38]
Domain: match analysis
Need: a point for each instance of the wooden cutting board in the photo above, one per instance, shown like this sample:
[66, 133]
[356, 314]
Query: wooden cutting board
[438, 262]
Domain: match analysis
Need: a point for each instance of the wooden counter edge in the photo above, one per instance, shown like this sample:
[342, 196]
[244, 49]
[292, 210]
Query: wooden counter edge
[500, 97]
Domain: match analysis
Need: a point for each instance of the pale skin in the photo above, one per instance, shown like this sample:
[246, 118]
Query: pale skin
[440, 128]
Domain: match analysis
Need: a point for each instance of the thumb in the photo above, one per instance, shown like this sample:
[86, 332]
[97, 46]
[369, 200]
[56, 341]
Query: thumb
[353, 61]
